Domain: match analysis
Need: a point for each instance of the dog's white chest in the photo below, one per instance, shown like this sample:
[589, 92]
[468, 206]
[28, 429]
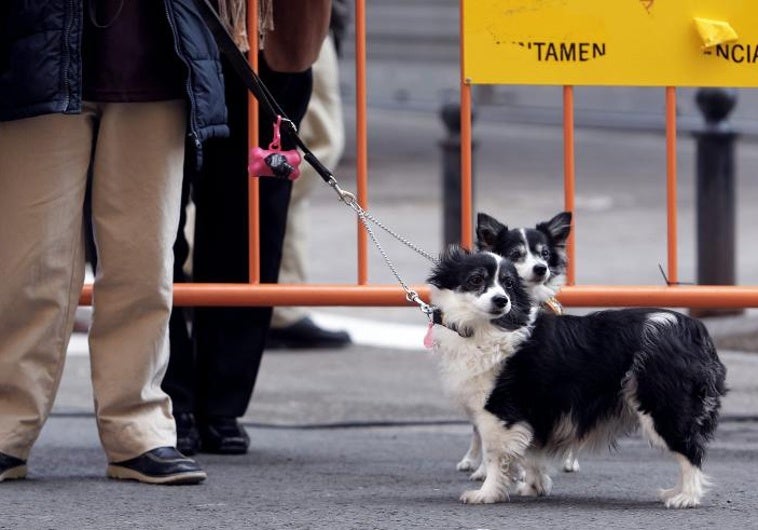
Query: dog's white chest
[468, 368]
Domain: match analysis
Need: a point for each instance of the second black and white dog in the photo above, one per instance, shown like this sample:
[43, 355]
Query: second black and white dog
[536, 384]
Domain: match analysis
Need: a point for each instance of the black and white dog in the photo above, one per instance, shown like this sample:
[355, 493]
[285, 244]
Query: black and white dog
[535, 384]
[539, 255]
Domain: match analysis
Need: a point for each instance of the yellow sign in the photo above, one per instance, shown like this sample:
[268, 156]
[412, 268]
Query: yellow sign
[611, 42]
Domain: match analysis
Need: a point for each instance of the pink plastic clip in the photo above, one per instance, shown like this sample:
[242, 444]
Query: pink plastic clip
[429, 338]
[274, 162]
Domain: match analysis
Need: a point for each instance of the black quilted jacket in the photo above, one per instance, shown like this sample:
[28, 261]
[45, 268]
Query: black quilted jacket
[41, 64]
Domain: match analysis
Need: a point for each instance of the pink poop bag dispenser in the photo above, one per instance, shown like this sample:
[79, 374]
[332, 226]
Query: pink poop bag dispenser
[274, 161]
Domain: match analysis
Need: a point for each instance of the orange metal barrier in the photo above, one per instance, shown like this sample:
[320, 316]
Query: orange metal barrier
[214, 294]
[361, 293]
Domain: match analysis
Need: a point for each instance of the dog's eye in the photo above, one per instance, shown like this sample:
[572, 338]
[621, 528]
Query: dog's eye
[476, 280]
[516, 255]
[545, 253]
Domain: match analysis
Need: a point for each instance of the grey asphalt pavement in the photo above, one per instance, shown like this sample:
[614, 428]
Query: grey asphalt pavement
[366, 478]
[363, 438]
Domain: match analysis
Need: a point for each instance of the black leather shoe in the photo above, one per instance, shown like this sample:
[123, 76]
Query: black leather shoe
[11, 467]
[187, 436]
[305, 334]
[223, 436]
[164, 465]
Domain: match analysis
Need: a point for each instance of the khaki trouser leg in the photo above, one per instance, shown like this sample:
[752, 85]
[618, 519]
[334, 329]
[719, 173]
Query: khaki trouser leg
[136, 196]
[43, 171]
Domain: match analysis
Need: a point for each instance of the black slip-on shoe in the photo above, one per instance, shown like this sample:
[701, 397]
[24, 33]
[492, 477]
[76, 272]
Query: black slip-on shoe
[11, 467]
[223, 436]
[187, 435]
[304, 334]
[164, 465]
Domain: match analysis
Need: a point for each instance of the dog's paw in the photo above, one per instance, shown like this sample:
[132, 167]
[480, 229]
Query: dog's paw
[482, 497]
[480, 473]
[675, 498]
[525, 490]
[537, 486]
[571, 465]
[467, 464]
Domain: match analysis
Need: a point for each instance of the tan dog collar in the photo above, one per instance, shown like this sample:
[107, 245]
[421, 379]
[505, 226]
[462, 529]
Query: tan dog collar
[553, 305]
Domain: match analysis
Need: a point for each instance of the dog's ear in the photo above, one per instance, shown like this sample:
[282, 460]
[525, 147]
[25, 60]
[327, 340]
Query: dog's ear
[558, 228]
[453, 254]
[487, 230]
[443, 274]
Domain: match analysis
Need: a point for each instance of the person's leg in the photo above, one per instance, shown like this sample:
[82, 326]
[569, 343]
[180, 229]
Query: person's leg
[136, 195]
[43, 172]
[229, 341]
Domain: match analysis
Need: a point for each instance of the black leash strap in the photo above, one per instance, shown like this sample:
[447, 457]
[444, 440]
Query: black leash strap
[254, 83]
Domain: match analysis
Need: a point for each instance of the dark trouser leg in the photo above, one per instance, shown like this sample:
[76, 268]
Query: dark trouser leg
[179, 381]
[230, 341]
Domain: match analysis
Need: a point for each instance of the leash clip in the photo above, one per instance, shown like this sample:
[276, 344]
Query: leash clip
[428, 310]
[345, 196]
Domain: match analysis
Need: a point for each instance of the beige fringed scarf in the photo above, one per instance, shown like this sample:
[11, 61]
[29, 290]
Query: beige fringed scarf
[233, 14]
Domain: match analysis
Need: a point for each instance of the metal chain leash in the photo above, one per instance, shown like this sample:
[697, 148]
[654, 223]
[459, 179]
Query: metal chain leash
[410, 294]
[349, 199]
[397, 236]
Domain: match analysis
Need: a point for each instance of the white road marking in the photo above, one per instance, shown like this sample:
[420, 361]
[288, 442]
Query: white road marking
[409, 337]
[363, 332]
[375, 333]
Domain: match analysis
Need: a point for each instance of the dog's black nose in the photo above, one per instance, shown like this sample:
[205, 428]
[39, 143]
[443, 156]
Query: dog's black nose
[500, 301]
[540, 270]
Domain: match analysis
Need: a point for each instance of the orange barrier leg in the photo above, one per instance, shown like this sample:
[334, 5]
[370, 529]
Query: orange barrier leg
[569, 177]
[361, 134]
[253, 196]
[671, 208]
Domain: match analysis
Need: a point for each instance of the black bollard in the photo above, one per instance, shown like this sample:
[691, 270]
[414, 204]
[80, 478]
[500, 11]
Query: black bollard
[450, 113]
[715, 193]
